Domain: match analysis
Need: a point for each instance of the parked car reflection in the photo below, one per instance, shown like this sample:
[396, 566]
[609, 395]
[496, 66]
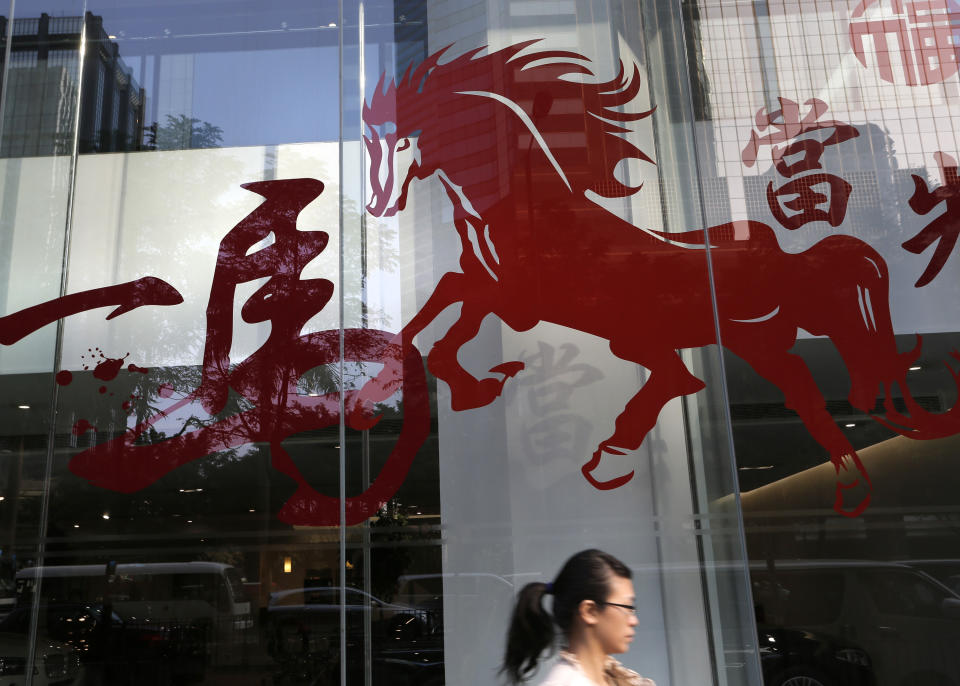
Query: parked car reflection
[790, 657]
[303, 638]
[906, 622]
[55, 664]
[145, 623]
[947, 572]
[116, 650]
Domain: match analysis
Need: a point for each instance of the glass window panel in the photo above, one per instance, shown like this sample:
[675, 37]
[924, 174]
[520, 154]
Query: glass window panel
[495, 497]
[845, 381]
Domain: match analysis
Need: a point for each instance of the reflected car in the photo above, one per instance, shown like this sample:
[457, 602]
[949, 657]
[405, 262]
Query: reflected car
[303, 638]
[790, 657]
[319, 609]
[906, 622]
[54, 663]
[418, 662]
[947, 572]
[126, 651]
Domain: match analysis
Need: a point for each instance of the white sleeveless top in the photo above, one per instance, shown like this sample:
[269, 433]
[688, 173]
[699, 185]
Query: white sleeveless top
[567, 672]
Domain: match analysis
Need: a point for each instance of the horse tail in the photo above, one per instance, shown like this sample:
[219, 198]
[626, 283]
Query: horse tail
[756, 234]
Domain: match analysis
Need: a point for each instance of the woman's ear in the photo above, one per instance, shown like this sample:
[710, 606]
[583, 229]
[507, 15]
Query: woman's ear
[589, 612]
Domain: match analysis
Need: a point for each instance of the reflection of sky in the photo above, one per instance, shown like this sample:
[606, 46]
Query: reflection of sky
[264, 72]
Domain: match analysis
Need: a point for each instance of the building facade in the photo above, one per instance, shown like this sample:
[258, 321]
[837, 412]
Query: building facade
[327, 326]
[44, 81]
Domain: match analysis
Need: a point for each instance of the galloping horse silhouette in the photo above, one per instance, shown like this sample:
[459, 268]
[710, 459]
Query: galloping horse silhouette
[518, 146]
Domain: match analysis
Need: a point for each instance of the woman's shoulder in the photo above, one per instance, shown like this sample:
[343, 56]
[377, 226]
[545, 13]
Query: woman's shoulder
[564, 673]
[567, 672]
[623, 676]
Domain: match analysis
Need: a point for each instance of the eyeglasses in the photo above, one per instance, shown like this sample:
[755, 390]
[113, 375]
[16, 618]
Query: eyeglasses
[629, 608]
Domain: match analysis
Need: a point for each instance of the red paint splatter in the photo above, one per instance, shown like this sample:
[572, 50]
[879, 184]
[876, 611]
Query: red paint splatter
[127, 406]
[82, 426]
[64, 377]
[102, 389]
[134, 368]
[165, 390]
[109, 368]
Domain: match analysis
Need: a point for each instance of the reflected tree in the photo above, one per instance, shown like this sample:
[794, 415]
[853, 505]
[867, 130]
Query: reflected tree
[184, 133]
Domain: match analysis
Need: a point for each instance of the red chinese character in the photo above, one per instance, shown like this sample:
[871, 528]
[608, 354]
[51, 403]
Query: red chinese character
[268, 379]
[128, 296]
[807, 200]
[946, 227]
[927, 35]
[787, 125]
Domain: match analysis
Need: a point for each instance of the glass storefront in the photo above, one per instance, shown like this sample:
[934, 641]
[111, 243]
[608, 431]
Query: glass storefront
[327, 326]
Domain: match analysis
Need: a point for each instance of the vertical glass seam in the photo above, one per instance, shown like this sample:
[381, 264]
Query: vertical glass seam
[364, 324]
[663, 213]
[57, 353]
[342, 434]
[6, 65]
[754, 667]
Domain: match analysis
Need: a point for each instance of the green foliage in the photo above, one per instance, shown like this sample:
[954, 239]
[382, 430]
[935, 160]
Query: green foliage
[183, 133]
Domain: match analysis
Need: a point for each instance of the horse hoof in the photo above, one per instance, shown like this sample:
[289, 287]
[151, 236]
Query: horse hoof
[609, 484]
[857, 493]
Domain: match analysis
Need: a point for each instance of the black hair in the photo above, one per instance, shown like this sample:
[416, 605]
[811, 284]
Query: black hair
[585, 576]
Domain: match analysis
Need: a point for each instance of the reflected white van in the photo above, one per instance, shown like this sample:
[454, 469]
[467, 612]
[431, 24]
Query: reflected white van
[208, 594]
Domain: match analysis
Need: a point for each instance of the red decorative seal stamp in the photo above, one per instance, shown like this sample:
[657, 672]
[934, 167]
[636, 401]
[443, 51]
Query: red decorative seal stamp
[912, 42]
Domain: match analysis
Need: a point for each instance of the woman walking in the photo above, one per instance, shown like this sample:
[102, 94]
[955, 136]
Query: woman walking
[593, 606]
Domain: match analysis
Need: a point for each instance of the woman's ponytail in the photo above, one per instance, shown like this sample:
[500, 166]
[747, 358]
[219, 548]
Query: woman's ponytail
[531, 633]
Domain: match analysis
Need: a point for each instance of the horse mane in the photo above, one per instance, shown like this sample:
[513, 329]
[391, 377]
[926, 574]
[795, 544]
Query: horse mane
[437, 98]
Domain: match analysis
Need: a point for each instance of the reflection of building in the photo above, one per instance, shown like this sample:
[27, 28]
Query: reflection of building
[43, 86]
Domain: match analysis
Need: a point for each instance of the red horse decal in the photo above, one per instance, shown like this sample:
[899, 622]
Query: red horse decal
[518, 145]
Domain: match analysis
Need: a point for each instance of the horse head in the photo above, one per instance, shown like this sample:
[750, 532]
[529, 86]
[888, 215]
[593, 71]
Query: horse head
[395, 161]
[916, 421]
[394, 141]
[862, 330]
[459, 117]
